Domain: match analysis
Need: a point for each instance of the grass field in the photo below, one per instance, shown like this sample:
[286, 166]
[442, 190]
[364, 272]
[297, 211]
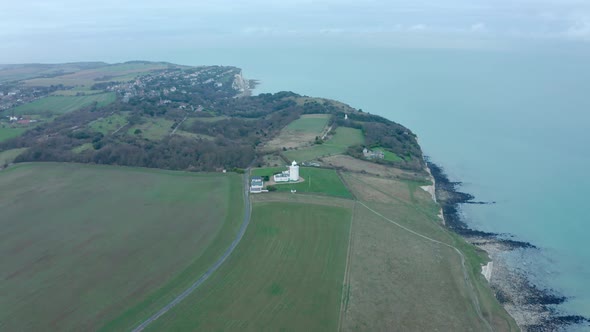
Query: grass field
[390, 156]
[82, 148]
[268, 171]
[84, 79]
[342, 139]
[316, 180]
[8, 133]
[193, 135]
[6, 157]
[310, 123]
[80, 245]
[396, 278]
[153, 129]
[109, 124]
[21, 72]
[55, 105]
[285, 275]
[299, 133]
[75, 91]
[190, 121]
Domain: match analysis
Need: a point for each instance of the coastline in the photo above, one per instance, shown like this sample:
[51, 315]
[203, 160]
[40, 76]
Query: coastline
[533, 308]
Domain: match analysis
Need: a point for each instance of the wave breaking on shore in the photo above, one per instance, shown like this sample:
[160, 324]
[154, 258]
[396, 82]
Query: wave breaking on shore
[533, 307]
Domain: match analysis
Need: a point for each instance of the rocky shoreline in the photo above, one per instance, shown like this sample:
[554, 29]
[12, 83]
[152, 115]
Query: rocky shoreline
[533, 308]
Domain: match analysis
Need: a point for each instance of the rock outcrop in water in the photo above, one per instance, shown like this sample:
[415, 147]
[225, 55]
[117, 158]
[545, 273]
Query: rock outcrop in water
[533, 308]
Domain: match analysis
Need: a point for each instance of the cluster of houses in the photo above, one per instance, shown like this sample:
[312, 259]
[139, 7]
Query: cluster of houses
[373, 154]
[166, 82]
[10, 98]
[290, 175]
[21, 121]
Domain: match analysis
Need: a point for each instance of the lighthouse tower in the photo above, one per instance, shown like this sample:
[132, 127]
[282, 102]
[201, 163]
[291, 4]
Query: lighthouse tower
[294, 171]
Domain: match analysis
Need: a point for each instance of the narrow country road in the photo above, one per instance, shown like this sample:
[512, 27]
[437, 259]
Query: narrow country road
[214, 267]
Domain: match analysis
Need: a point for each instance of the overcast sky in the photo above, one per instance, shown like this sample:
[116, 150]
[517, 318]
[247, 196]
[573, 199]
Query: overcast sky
[50, 31]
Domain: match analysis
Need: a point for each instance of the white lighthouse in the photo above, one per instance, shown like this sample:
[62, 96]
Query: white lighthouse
[294, 171]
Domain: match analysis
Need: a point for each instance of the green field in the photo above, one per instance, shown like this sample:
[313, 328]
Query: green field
[74, 91]
[396, 278]
[8, 133]
[285, 275]
[82, 148]
[190, 121]
[84, 79]
[342, 139]
[109, 124]
[390, 156]
[153, 129]
[25, 71]
[6, 157]
[80, 245]
[56, 105]
[193, 135]
[316, 180]
[310, 123]
[268, 171]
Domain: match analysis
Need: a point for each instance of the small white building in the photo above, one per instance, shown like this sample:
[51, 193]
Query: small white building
[373, 154]
[282, 177]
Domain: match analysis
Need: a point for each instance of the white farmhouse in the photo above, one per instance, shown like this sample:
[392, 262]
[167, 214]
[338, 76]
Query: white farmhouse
[256, 184]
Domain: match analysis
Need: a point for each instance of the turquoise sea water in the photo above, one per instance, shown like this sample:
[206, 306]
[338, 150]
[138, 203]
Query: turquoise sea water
[513, 127]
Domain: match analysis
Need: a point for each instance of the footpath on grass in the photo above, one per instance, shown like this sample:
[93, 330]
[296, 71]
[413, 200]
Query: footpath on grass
[471, 288]
[214, 267]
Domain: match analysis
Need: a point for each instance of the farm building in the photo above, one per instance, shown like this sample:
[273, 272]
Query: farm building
[373, 154]
[256, 184]
[282, 177]
[292, 174]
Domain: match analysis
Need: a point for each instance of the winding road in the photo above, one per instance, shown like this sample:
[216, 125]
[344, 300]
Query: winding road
[214, 267]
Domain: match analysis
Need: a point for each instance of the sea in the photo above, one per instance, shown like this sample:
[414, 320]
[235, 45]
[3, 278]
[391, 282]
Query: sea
[512, 126]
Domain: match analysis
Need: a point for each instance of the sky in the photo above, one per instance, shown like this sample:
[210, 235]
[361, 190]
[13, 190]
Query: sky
[55, 31]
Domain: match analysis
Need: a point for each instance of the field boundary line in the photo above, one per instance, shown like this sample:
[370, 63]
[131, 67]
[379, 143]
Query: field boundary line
[474, 299]
[213, 268]
[346, 279]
